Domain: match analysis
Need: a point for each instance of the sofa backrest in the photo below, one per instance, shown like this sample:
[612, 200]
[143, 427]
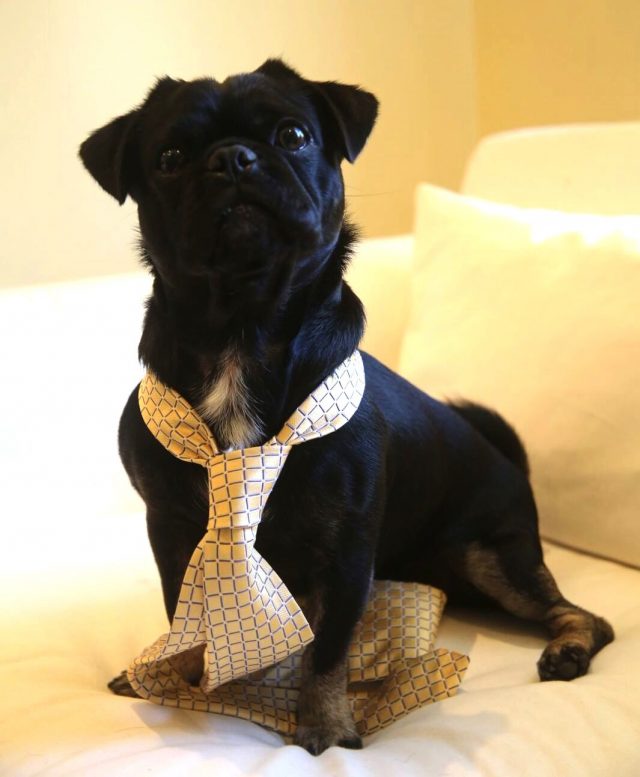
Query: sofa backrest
[588, 168]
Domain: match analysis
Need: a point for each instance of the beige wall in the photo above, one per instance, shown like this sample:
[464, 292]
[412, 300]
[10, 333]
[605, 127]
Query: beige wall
[67, 66]
[556, 61]
[446, 71]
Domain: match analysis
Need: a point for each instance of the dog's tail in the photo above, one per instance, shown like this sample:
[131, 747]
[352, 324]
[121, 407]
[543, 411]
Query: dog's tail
[496, 430]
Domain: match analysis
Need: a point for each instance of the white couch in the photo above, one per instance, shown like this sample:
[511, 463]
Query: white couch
[81, 595]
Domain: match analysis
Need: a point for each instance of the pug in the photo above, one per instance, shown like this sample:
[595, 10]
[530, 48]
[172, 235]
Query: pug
[241, 207]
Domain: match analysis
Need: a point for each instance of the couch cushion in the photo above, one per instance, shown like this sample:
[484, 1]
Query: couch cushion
[582, 168]
[535, 313]
[379, 275]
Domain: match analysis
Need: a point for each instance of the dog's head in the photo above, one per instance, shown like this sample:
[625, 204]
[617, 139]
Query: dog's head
[233, 178]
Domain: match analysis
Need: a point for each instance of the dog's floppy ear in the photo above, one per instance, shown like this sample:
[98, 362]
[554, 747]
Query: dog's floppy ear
[106, 154]
[354, 111]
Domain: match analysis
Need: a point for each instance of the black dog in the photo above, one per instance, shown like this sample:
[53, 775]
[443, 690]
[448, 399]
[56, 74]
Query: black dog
[241, 207]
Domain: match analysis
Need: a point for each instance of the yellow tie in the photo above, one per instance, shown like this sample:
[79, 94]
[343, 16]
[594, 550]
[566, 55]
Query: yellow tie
[235, 605]
[231, 599]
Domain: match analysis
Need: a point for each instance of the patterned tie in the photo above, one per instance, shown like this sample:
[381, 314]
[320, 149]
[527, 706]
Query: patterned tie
[231, 599]
[234, 604]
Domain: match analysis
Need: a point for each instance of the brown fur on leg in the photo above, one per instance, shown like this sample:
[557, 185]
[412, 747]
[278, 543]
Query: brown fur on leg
[121, 686]
[577, 634]
[324, 714]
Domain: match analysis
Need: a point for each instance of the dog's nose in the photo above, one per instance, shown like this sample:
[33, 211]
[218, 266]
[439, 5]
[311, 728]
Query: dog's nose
[230, 161]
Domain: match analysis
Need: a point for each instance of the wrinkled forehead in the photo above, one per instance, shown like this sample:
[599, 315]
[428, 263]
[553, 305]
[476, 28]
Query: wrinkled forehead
[238, 104]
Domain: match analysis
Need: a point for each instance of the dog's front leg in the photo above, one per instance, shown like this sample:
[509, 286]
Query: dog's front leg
[324, 713]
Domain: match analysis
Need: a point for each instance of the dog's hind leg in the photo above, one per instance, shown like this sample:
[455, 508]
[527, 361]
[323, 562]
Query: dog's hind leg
[512, 573]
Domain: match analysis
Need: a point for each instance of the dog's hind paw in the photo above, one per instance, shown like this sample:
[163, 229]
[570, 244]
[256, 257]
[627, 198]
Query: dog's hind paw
[563, 661]
[121, 686]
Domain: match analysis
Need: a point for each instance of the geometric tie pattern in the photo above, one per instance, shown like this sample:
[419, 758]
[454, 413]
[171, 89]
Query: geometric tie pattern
[235, 608]
[231, 600]
[393, 669]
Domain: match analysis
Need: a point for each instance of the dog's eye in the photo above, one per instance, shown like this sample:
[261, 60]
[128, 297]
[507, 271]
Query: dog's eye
[170, 160]
[292, 136]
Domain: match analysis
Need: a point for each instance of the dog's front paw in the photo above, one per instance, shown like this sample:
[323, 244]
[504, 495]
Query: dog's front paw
[121, 686]
[316, 739]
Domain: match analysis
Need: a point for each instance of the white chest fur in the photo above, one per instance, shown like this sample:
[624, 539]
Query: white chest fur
[229, 407]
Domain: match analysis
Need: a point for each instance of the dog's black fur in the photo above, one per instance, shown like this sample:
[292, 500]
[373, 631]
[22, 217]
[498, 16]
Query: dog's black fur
[241, 207]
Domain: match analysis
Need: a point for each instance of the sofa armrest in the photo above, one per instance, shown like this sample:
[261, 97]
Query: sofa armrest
[379, 275]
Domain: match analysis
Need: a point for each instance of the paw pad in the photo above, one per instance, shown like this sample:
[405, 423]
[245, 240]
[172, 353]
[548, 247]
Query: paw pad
[563, 662]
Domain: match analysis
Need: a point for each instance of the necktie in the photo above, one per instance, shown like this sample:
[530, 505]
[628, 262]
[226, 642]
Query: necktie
[235, 605]
[231, 600]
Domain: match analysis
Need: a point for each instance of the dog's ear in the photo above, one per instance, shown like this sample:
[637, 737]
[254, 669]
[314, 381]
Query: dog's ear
[107, 155]
[276, 68]
[351, 110]
[354, 112]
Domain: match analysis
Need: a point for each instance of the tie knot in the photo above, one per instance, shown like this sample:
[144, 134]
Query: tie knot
[240, 482]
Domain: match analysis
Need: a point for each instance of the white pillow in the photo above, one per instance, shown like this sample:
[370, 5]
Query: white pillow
[536, 313]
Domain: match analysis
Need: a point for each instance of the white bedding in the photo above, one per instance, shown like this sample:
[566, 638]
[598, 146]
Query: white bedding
[67, 631]
[80, 596]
